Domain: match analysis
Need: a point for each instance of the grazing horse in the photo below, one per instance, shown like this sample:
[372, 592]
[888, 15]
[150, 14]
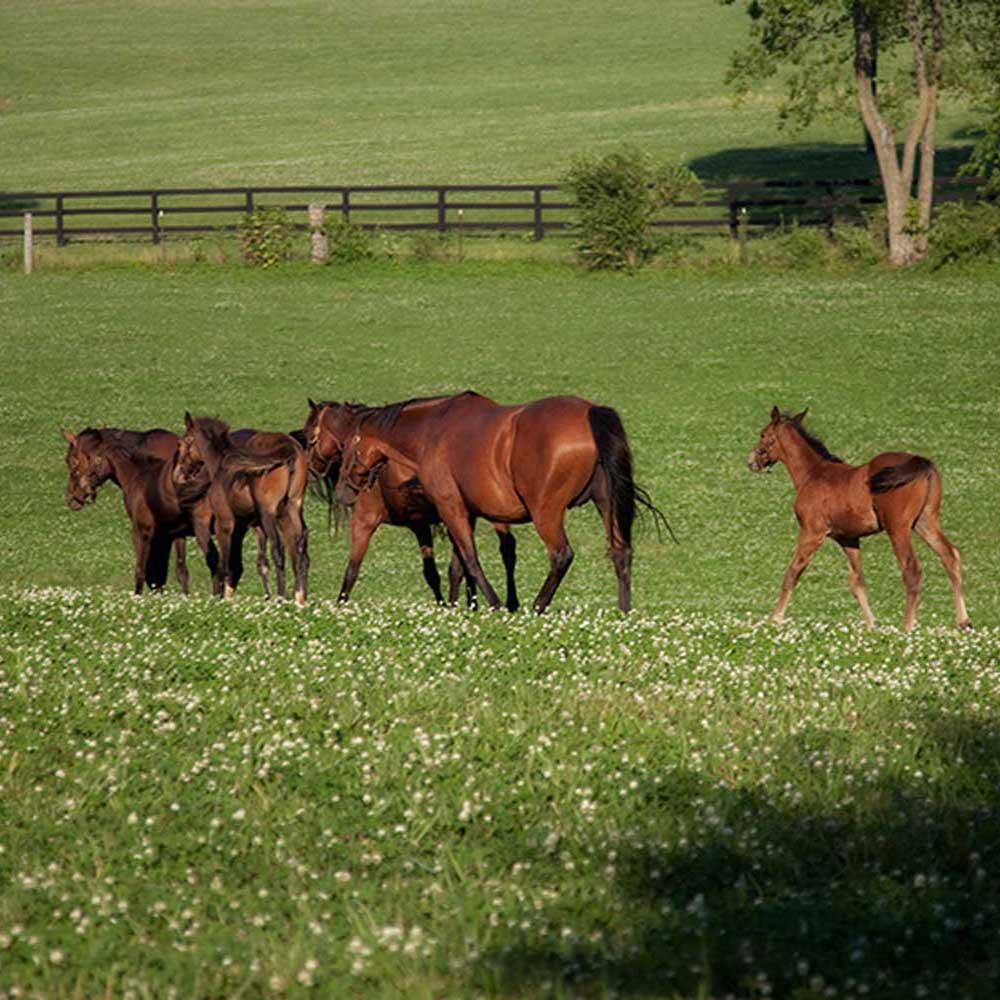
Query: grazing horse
[509, 464]
[261, 481]
[136, 460]
[894, 492]
[396, 497]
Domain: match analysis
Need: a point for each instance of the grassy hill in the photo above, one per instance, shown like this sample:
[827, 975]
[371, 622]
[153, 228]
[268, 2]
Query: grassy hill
[109, 93]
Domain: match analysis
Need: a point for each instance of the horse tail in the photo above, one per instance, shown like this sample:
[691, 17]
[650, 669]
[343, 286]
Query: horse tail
[614, 458]
[893, 476]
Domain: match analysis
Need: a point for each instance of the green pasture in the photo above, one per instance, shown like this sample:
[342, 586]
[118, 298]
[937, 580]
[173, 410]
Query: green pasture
[137, 93]
[203, 799]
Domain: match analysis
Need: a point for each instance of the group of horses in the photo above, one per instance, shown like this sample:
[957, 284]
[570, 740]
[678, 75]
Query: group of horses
[452, 460]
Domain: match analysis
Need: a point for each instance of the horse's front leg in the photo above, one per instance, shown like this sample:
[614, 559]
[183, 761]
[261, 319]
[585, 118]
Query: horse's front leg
[460, 526]
[810, 539]
[142, 538]
[508, 553]
[426, 542]
[362, 528]
[181, 570]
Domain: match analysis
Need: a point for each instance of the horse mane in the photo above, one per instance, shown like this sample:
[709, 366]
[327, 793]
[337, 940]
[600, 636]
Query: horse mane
[812, 440]
[216, 433]
[383, 418]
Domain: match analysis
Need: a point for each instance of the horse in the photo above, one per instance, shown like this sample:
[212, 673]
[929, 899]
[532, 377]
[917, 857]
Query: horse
[896, 492]
[396, 497]
[133, 459]
[89, 468]
[261, 481]
[510, 465]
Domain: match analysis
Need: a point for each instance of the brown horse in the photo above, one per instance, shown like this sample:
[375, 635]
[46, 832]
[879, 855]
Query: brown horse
[396, 497]
[259, 482]
[165, 513]
[509, 464]
[895, 492]
[135, 461]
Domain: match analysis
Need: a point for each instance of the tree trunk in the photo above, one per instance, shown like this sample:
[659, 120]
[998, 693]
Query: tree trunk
[907, 233]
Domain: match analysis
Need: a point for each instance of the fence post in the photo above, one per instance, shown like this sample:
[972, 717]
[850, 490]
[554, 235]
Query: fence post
[345, 205]
[60, 233]
[442, 216]
[29, 244]
[320, 241]
[248, 201]
[154, 215]
[539, 229]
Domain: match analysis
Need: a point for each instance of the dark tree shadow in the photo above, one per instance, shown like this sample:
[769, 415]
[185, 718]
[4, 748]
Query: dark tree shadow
[894, 893]
[805, 161]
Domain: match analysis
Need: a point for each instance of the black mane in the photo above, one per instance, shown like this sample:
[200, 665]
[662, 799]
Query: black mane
[384, 417]
[810, 439]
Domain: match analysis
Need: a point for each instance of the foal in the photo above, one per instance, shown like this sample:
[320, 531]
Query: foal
[396, 498]
[894, 492]
[162, 521]
[261, 481]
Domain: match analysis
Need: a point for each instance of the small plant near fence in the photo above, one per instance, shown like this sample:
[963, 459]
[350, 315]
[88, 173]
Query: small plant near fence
[618, 197]
[965, 232]
[349, 243]
[265, 237]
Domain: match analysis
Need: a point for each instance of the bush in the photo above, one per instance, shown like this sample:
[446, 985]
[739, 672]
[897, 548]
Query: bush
[265, 237]
[617, 199]
[965, 231]
[350, 242]
[794, 246]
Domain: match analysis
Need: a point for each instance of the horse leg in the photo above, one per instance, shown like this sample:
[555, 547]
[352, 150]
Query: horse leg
[856, 579]
[928, 528]
[362, 529]
[224, 527]
[141, 539]
[181, 570]
[202, 524]
[508, 552]
[263, 566]
[805, 548]
[550, 529]
[295, 536]
[902, 545]
[426, 542]
[236, 554]
[158, 562]
[456, 573]
[460, 527]
[270, 529]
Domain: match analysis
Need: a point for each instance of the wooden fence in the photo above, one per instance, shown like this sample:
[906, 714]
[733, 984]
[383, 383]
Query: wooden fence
[532, 209]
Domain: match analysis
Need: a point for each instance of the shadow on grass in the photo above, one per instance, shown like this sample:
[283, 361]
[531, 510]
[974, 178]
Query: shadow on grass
[803, 161]
[890, 892]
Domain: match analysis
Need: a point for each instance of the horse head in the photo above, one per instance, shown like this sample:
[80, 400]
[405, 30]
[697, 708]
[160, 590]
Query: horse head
[88, 467]
[768, 447]
[362, 462]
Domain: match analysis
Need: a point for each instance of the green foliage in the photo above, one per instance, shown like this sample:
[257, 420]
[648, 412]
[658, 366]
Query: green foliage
[965, 231]
[618, 196]
[265, 237]
[793, 246]
[350, 243]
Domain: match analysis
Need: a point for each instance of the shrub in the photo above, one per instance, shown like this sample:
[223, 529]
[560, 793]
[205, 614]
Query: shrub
[265, 237]
[350, 242]
[793, 246]
[617, 199]
[965, 231]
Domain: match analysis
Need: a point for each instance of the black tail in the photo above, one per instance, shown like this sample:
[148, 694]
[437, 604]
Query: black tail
[324, 488]
[615, 459]
[894, 476]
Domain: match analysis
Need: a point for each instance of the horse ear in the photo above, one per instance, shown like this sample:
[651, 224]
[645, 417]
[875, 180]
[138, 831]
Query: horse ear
[69, 436]
[313, 406]
[188, 420]
[775, 413]
[799, 417]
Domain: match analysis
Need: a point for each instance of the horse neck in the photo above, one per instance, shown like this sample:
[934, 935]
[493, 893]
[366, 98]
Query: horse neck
[124, 469]
[211, 455]
[799, 457]
[404, 440]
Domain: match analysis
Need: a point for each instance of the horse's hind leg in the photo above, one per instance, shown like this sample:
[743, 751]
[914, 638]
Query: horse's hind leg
[929, 529]
[270, 528]
[295, 535]
[549, 526]
[263, 566]
[805, 548]
[909, 564]
[181, 570]
[431, 574]
[508, 552]
[235, 568]
[856, 579]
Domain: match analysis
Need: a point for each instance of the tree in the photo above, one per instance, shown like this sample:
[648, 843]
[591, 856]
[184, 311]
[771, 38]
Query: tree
[891, 59]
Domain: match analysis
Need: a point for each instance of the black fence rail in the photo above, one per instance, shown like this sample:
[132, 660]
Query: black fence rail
[532, 209]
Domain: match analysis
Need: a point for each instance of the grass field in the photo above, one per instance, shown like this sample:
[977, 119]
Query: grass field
[113, 94]
[390, 799]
